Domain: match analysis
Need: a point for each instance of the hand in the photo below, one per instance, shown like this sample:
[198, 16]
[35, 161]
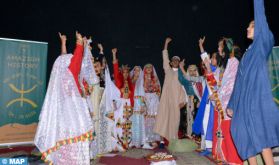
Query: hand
[201, 41]
[230, 112]
[78, 37]
[100, 46]
[182, 64]
[114, 50]
[181, 105]
[84, 39]
[168, 40]
[63, 38]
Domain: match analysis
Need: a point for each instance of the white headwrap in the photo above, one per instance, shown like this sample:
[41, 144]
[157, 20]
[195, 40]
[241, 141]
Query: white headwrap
[87, 72]
[139, 86]
[112, 94]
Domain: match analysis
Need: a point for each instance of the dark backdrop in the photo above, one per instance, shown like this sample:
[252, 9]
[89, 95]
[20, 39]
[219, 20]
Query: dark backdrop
[136, 27]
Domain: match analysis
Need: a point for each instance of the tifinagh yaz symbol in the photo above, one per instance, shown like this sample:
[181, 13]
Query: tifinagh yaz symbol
[22, 99]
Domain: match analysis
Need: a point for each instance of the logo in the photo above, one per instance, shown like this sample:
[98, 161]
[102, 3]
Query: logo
[22, 99]
[13, 161]
[4, 161]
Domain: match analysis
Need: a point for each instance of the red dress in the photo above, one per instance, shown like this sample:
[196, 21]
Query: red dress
[223, 147]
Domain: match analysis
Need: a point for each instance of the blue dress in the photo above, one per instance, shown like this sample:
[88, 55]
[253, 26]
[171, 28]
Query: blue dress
[198, 123]
[255, 120]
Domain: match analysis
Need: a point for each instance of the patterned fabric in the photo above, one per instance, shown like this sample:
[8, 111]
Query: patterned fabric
[152, 89]
[124, 124]
[95, 99]
[65, 115]
[152, 104]
[222, 141]
[137, 119]
[110, 103]
[151, 82]
[138, 129]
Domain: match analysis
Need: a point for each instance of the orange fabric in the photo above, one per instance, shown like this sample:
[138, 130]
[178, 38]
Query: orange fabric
[215, 125]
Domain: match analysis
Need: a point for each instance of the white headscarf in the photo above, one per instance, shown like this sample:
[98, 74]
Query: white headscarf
[65, 112]
[112, 94]
[87, 72]
[139, 86]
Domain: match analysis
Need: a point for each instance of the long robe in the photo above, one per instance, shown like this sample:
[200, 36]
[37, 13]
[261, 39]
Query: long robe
[95, 98]
[167, 119]
[255, 121]
[122, 115]
[152, 99]
[65, 127]
[137, 118]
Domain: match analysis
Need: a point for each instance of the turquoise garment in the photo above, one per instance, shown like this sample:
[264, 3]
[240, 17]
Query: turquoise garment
[187, 84]
[138, 129]
[255, 120]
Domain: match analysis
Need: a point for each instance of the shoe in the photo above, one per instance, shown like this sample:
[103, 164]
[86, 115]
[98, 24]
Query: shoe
[162, 145]
[205, 153]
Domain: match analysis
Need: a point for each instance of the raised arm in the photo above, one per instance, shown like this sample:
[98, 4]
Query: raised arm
[116, 68]
[101, 49]
[101, 52]
[204, 56]
[201, 41]
[166, 60]
[262, 30]
[188, 77]
[76, 60]
[63, 40]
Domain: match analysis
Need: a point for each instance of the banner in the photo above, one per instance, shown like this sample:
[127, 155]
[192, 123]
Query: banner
[273, 66]
[22, 89]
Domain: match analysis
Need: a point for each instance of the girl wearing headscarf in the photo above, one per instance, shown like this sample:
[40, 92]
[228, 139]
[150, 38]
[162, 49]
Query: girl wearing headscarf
[152, 90]
[122, 116]
[65, 126]
[255, 124]
[137, 119]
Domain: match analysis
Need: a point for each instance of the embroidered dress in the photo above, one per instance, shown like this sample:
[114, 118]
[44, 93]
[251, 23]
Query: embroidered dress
[137, 118]
[122, 115]
[152, 90]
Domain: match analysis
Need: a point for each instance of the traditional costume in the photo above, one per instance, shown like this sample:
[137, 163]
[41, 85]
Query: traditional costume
[122, 116]
[223, 148]
[173, 94]
[152, 90]
[139, 109]
[65, 126]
